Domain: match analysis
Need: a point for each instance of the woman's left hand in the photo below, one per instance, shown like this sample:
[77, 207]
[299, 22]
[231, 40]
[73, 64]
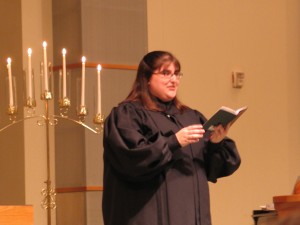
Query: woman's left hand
[219, 133]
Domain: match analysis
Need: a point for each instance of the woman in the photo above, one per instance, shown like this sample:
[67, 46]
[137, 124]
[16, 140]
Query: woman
[157, 156]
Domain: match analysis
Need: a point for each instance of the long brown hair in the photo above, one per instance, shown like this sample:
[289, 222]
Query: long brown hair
[140, 89]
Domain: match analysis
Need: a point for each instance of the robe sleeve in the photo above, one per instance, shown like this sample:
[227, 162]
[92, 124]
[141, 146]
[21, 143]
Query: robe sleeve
[135, 149]
[221, 159]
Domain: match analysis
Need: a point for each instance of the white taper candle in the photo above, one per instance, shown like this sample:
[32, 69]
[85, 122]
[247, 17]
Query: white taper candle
[64, 80]
[83, 60]
[45, 67]
[29, 75]
[10, 86]
[99, 89]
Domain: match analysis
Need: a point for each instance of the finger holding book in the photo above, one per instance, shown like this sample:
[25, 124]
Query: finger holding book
[219, 133]
[190, 134]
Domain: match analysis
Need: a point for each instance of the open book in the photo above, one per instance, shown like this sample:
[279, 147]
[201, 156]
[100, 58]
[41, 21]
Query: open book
[224, 116]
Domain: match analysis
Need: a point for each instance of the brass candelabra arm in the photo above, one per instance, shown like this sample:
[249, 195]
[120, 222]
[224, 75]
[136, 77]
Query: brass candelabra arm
[19, 121]
[50, 120]
[79, 122]
[53, 120]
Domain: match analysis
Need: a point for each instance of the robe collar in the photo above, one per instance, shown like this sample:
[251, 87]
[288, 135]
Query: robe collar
[167, 107]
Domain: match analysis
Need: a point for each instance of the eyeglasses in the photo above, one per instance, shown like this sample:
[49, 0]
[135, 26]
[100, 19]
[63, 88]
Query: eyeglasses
[168, 74]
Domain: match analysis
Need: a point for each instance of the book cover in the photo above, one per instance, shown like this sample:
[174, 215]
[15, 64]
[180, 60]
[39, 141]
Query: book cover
[224, 116]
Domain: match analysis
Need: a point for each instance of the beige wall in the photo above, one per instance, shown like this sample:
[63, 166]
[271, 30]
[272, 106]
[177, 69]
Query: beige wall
[260, 38]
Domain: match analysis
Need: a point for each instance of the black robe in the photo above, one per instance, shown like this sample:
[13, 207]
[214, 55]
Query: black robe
[149, 179]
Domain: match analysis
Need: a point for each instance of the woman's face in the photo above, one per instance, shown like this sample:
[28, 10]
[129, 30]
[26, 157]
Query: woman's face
[163, 83]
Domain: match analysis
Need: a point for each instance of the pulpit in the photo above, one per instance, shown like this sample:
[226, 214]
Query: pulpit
[288, 204]
[16, 215]
[287, 210]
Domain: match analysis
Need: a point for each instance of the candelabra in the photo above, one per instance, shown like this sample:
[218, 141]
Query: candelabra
[46, 119]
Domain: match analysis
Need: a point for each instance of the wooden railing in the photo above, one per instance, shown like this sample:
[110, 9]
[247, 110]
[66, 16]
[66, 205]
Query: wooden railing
[94, 65]
[79, 189]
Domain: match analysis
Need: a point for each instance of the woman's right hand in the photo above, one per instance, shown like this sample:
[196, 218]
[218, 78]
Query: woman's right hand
[190, 134]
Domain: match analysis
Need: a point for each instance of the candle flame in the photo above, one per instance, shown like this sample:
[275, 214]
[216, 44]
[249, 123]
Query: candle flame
[99, 67]
[64, 51]
[83, 59]
[29, 51]
[9, 61]
[44, 44]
